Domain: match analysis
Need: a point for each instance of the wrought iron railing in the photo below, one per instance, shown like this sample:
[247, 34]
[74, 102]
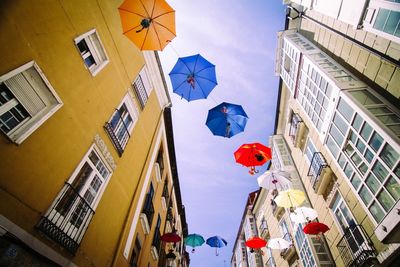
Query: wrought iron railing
[66, 222]
[288, 238]
[120, 138]
[356, 248]
[140, 90]
[148, 208]
[270, 262]
[294, 126]
[317, 164]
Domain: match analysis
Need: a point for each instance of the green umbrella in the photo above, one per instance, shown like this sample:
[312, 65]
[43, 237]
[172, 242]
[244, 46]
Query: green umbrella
[194, 240]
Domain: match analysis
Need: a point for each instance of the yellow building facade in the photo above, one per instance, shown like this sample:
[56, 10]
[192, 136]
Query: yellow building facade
[82, 116]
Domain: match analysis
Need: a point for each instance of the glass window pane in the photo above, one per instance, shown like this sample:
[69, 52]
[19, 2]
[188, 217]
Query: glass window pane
[363, 168]
[349, 149]
[353, 137]
[376, 141]
[372, 183]
[365, 195]
[364, 97]
[340, 123]
[392, 22]
[358, 120]
[342, 160]
[348, 170]
[369, 155]
[379, 110]
[356, 159]
[345, 109]
[380, 171]
[360, 146]
[377, 212]
[393, 187]
[386, 200]
[336, 135]
[332, 146]
[356, 181]
[381, 19]
[389, 156]
[389, 119]
[366, 131]
[395, 129]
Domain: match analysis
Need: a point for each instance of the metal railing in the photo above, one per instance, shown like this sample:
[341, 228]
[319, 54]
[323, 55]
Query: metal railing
[148, 208]
[288, 238]
[356, 248]
[66, 222]
[120, 138]
[294, 126]
[317, 164]
[140, 90]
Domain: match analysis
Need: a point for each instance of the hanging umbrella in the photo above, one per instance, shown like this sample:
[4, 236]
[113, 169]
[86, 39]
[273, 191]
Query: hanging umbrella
[290, 198]
[170, 238]
[216, 242]
[256, 242]
[149, 24]
[251, 155]
[273, 179]
[278, 243]
[226, 119]
[303, 215]
[315, 228]
[193, 77]
[194, 240]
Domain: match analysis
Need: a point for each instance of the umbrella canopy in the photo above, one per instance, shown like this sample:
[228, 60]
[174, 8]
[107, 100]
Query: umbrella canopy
[171, 237]
[226, 119]
[193, 77]
[290, 198]
[251, 155]
[256, 242]
[315, 228]
[278, 243]
[303, 215]
[194, 240]
[216, 242]
[274, 179]
[149, 24]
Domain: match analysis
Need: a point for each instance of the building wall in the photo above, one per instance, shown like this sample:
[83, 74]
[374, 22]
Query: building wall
[33, 172]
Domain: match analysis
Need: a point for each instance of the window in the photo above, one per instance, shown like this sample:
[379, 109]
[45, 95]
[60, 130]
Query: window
[148, 207]
[92, 51]
[157, 235]
[388, 21]
[27, 100]
[310, 150]
[142, 87]
[121, 124]
[306, 253]
[136, 252]
[67, 219]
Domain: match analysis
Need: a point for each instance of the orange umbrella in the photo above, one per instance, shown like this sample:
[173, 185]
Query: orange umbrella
[149, 24]
[251, 155]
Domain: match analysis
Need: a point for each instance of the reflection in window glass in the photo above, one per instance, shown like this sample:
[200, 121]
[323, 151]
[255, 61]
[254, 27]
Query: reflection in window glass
[356, 181]
[372, 183]
[357, 122]
[380, 171]
[364, 97]
[348, 170]
[345, 109]
[389, 119]
[333, 147]
[385, 200]
[379, 110]
[368, 155]
[389, 156]
[377, 212]
[376, 141]
[365, 195]
[393, 187]
[340, 123]
[366, 131]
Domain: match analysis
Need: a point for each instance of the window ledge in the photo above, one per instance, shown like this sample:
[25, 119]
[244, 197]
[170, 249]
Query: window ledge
[145, 223]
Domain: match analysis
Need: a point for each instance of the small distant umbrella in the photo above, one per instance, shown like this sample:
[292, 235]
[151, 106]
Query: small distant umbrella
[193, 77]
[315, 228]
[170, 237]
[216, 242]
[194, 240]
[274, 179]
[290, 198]
[303, 215]
[278, 243]
[251, 155]
[255, 243]
[226, 119]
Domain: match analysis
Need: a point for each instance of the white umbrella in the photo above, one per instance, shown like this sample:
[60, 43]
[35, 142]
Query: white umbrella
[303, 215]
[278, 243]
[273, 179]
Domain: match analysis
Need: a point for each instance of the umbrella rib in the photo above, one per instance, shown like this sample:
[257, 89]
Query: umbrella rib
[144, 8]
[140, 15]
[155, 22]
[212, 66]
[204, 78]
[180, 85]
[152, 10]
[201, 89]
[132, 29]
[158, 37]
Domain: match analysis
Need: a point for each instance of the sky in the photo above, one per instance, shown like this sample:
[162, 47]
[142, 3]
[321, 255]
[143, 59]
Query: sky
[239, 37]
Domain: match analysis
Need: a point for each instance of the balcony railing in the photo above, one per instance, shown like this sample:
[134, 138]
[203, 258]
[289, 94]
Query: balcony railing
[68, 219]
[270, 262]
[317, 164]
[264, 229]
[148, 208]
[287, 253]
[356, 248]
[297, 130]
[120, 136]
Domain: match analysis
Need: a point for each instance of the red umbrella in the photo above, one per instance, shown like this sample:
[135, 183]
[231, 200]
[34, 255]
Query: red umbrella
[315, 228]
[171, 237]
[256, 243]
[251, 155]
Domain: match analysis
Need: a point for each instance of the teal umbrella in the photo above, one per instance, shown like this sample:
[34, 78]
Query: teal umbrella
[194, 240]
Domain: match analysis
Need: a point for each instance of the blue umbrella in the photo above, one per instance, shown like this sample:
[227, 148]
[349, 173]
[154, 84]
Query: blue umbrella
[193, 77]
[216, 242]
[226, 119]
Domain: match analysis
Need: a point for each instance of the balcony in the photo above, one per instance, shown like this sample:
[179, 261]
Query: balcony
[297, 131]
[67, 221]
[264, 230]
[146, 217]
[270, 262]
[118, 132]
[277, 211]
[289, 252]
[321, 174]
[356, 248]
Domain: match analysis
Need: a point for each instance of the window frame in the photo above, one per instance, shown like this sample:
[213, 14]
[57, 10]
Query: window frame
[145, 88]
[33, 122]
[94, 51]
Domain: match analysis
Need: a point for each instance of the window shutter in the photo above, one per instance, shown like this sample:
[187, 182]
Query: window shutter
[25, 93]
[145, 80]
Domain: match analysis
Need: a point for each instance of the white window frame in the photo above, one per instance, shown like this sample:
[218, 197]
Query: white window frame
[147, 86]
[44, 92]
[98, 52]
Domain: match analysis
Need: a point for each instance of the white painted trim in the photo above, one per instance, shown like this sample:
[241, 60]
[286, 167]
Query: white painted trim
[128, 244]
[34, 243]
[145, 223]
